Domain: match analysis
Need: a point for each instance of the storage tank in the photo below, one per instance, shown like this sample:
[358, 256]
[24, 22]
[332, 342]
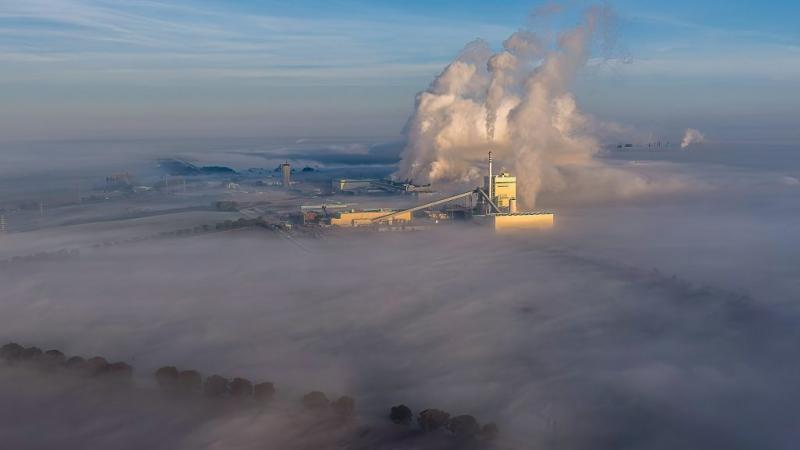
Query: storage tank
[512, 205]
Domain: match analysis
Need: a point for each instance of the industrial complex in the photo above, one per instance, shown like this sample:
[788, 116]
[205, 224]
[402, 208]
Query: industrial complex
[376, 186]
[493, 204]
[271, 197]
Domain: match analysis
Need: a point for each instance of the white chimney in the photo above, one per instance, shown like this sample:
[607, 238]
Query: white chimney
[490, 176]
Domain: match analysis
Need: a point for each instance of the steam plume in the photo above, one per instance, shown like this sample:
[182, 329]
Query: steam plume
[692, 136]
[518, 100]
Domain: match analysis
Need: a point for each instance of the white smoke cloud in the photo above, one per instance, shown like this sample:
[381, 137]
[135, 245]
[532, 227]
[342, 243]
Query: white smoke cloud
[692, 136]
[515, 102]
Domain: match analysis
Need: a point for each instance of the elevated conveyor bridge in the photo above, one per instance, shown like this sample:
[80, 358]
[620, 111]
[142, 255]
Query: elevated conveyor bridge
[442, 201]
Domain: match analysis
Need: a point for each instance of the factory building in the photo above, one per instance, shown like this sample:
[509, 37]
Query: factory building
[504, 190]
[501, 190]
[354, 186]
[496, 207]
[376, 186]
[523, 221]
[354, 218]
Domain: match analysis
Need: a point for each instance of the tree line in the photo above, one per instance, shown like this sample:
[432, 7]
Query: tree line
[190, 383]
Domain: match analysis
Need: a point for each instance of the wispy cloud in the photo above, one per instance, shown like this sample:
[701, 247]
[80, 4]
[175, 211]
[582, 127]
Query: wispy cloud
[86, 33]
[673, 21]
[768, 63]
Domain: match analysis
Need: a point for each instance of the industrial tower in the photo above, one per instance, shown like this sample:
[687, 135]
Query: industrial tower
[501, 189]
[286, 170]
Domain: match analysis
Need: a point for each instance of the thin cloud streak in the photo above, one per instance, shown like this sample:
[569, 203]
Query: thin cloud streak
[242, 41]
[718, 32]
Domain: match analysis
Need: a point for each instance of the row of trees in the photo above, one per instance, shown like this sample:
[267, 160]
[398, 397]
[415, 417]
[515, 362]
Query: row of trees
[184, 232]
[430, 420]
[189, 382]
[58, 255]
[51, 360]
[172, 380]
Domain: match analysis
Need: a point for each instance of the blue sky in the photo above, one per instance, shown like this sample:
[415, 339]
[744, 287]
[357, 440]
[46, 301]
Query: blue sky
[158, 68]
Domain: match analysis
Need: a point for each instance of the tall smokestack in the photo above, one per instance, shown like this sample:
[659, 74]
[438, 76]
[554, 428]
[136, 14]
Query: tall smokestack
[490, 175]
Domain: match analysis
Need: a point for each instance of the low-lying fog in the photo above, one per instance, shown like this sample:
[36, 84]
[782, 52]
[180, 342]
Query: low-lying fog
[659, 322]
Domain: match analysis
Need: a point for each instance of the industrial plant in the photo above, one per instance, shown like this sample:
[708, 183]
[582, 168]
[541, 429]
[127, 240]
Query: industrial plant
[377, 186]
[494, 204]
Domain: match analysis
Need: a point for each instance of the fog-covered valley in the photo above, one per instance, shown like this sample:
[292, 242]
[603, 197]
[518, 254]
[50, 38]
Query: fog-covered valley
[660, 320]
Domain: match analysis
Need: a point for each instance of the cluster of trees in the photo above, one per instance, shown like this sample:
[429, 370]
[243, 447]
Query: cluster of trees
[228, 205]
[240, 223]
[59, 255]
[343, 407]
[183, 232]
[189, 382]
[51, 360]
[172, 380]
[28, 205]
[429, 420]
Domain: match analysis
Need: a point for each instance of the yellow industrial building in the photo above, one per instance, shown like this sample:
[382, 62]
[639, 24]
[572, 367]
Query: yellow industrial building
[523, 221]
[355, 218]
[497, 207]
[503, 189]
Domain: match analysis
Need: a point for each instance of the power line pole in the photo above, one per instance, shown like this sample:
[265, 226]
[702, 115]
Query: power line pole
[3, 226]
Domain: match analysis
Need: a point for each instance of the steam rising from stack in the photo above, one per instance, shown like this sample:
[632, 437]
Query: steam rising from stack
[692, 136]
[517, 100]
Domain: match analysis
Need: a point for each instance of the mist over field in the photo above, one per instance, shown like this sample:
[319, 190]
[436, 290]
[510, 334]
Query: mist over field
[661, 321]
[350, 225]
